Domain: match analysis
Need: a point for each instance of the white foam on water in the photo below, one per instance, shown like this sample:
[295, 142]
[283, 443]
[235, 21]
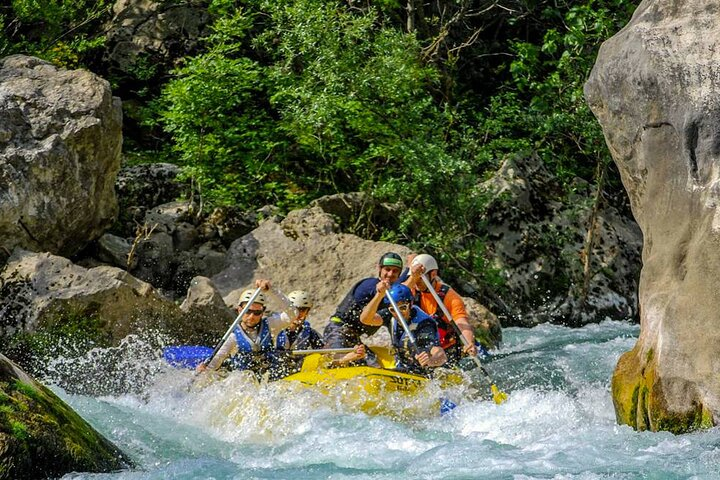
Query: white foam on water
[558, 422]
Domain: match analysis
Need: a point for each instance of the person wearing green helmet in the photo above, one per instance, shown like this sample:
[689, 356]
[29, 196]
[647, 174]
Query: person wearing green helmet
[344, 328]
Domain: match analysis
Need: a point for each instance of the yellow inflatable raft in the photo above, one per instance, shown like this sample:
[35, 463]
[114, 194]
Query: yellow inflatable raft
[373, 390]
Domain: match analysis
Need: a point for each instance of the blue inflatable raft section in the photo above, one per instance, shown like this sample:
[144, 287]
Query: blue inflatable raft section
[186, 356]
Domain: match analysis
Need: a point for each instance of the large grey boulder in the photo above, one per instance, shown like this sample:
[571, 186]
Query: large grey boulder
[541, 245]
[38, 290]
[207, 317]
[144, 34]
[307, 251]
[655, 88]
[303, 251]
[60, 141]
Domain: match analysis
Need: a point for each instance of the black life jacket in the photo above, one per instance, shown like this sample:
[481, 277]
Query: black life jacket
[349, 310]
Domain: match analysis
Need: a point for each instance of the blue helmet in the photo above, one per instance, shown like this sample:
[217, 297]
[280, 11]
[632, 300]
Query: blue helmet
[400, 293]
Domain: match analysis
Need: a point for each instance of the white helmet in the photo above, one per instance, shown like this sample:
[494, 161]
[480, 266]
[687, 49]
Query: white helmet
[300, 299]
[247, 295]
[427, 261]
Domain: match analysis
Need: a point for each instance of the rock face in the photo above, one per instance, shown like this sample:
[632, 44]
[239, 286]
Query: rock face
[42, 437]
[306, 251]
[145, 33]
[655, 89]
[541, 246]
[60, 140]
[38, 289]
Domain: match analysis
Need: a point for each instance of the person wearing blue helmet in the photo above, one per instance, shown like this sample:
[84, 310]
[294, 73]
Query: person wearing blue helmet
[426, 352]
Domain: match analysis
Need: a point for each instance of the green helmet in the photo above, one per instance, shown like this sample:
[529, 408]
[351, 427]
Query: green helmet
[391, 259]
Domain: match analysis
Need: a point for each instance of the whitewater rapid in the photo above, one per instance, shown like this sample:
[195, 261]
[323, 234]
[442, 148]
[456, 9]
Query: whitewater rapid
[558, 422]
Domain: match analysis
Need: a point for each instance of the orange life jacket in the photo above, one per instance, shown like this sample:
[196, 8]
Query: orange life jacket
[448, 338]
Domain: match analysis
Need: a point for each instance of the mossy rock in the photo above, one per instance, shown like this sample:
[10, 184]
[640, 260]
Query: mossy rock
[42, 437]
[639, 396]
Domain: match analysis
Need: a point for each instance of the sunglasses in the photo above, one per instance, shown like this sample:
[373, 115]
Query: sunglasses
[255, 312]
[404, 306]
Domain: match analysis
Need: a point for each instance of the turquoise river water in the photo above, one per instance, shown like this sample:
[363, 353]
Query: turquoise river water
[558, 423]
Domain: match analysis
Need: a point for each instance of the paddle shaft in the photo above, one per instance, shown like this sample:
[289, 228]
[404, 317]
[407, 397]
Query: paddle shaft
[234, 324]
[401, 318]
[444, 309]
[319, 350]
[498, 396]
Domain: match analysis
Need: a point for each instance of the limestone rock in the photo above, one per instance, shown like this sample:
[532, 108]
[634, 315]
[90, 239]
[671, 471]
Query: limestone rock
[538, 243]
[142, 187]
[59, 155]
[359, 213]
[485, 323]
[207, 317]
[302, 253]
[148, 33]
[42, 437]
[655, 88]
[38, 289]
[305, 251]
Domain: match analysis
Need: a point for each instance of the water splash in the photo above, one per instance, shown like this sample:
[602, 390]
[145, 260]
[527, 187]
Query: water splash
[558, 422]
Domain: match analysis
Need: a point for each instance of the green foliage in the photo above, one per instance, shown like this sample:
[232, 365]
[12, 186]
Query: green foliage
[341, 103]
[543, 106]
[69, 335]
[222, 134]
[64, 32]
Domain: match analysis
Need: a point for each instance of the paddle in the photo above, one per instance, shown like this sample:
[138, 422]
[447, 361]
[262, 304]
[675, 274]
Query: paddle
[234, 324]
[319, 350]
[446, 405]
[401, 318]
[498, 396]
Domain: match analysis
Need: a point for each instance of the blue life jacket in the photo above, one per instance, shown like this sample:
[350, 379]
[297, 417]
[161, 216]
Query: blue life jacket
[418, 321]
[306, 339]
[253, 355]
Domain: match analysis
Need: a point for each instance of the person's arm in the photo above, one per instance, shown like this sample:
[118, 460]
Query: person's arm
[226, 350]
[431, 354]
[415, 273]
[357, 354]
[278, 320]
[369, 315]
[455, 305]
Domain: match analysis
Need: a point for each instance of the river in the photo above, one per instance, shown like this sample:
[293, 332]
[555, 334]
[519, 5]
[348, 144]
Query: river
[558, 422]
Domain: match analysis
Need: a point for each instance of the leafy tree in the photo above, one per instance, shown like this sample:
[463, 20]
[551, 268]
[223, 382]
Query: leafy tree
[337, 103]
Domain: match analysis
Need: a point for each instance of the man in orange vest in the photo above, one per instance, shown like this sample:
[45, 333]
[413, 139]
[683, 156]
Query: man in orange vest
[427, 264]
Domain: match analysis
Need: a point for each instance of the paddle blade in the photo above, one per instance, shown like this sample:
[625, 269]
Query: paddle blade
[498, 396]
[446, 406]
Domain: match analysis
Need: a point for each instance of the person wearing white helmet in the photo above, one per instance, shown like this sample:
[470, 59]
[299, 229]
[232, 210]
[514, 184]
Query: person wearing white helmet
[427, 264]
[300, 335]
[250, 346]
